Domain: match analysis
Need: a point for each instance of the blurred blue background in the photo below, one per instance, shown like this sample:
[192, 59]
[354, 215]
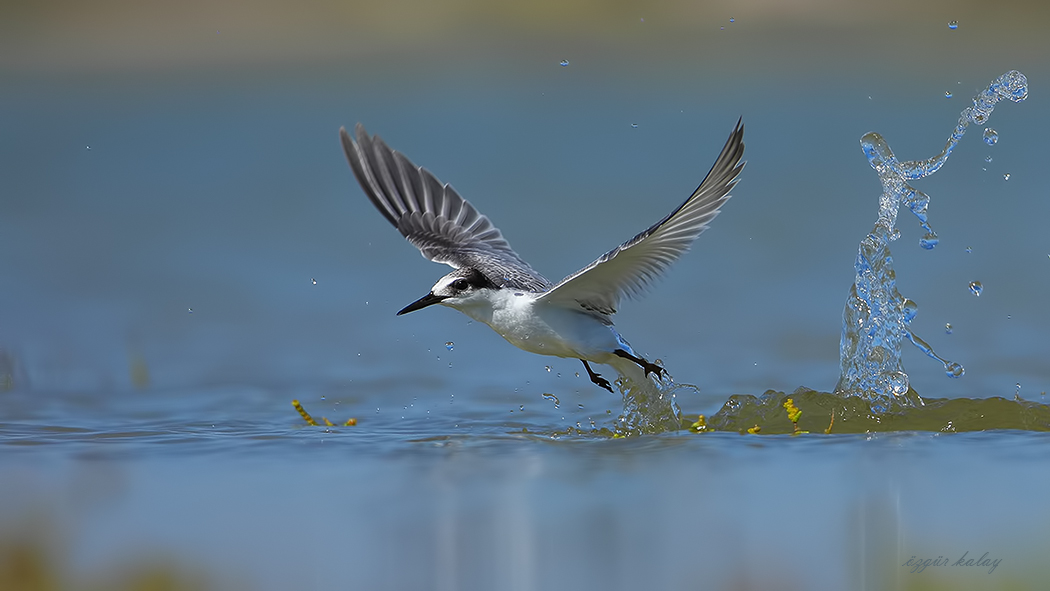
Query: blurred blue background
[184, 246]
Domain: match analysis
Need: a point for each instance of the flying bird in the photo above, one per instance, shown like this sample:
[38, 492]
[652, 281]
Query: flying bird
[492, 284]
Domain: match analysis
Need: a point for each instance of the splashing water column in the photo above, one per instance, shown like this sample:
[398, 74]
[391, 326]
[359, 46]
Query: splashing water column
[876, 317]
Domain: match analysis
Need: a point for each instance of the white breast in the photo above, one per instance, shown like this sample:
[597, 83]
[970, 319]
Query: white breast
[545, 329]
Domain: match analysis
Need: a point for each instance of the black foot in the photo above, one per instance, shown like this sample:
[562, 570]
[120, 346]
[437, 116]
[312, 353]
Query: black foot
[597, 378]
[648, 367]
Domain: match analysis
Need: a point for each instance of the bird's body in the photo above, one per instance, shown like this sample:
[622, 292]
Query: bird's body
[492, 284]
[531, 324]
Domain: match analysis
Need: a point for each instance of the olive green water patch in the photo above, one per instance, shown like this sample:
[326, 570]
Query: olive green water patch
[822, 412]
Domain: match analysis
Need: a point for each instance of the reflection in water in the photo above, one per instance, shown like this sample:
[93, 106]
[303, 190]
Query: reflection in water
[876, 316]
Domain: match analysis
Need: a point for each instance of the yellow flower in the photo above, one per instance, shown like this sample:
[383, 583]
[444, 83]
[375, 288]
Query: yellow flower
[793, 411]
[699, 425]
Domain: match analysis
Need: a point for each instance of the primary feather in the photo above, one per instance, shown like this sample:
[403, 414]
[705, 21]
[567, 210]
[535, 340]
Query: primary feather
[628, 269]
[445, 227]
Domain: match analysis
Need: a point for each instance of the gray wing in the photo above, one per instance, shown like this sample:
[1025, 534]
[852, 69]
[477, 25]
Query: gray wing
[433, 217]
[628, 269]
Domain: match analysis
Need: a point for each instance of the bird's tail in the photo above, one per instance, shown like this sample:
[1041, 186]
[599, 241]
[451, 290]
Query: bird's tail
[648, 402]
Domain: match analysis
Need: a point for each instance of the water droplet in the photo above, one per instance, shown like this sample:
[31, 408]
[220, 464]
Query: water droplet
[634, 125]
[976, 288]
[969, 250]
[954, 370]
[314, 281]
[721, 28]
[553, 399]
[547, 367]
[1017, 391]
[947, 328]
[522, 408]
[909, 310]
[929, 241]
[565, 63]
[88, 147]
[897, 383]
[990, 136]
[190, 310]
[947, 94]
[953, 25]
[1006, 177]
[732, 20]
[988, 158]
[580, 406]
[450, 345]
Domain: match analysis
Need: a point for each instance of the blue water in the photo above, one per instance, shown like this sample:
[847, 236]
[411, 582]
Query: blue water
[450, 496]
[185, 251]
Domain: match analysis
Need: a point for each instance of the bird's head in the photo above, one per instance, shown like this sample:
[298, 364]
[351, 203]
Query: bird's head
[460, 289]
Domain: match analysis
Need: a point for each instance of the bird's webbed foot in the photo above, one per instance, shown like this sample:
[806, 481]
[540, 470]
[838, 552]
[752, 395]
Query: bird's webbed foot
[597, 378]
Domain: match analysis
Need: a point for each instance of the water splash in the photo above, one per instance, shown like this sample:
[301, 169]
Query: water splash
[876, 317]
[649, 404]
[552, 398]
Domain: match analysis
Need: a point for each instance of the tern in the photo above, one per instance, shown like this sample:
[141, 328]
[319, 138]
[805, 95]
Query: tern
[492, 284]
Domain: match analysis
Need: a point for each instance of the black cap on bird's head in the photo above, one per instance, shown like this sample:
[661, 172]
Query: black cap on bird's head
[457, 284]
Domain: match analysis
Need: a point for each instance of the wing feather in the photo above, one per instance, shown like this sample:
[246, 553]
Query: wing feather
[432, 216]
[629, 269]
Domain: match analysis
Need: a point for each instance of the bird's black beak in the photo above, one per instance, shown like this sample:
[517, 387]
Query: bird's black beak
[428, 300]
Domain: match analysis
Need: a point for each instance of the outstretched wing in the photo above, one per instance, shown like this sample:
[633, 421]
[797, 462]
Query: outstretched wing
[445, 227]
[628, 269]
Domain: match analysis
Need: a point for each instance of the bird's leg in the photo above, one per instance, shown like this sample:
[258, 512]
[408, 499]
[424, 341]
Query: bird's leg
[596, 378]
[648, 367]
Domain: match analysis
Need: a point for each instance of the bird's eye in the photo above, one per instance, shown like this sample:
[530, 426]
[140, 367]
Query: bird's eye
[460, 284]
